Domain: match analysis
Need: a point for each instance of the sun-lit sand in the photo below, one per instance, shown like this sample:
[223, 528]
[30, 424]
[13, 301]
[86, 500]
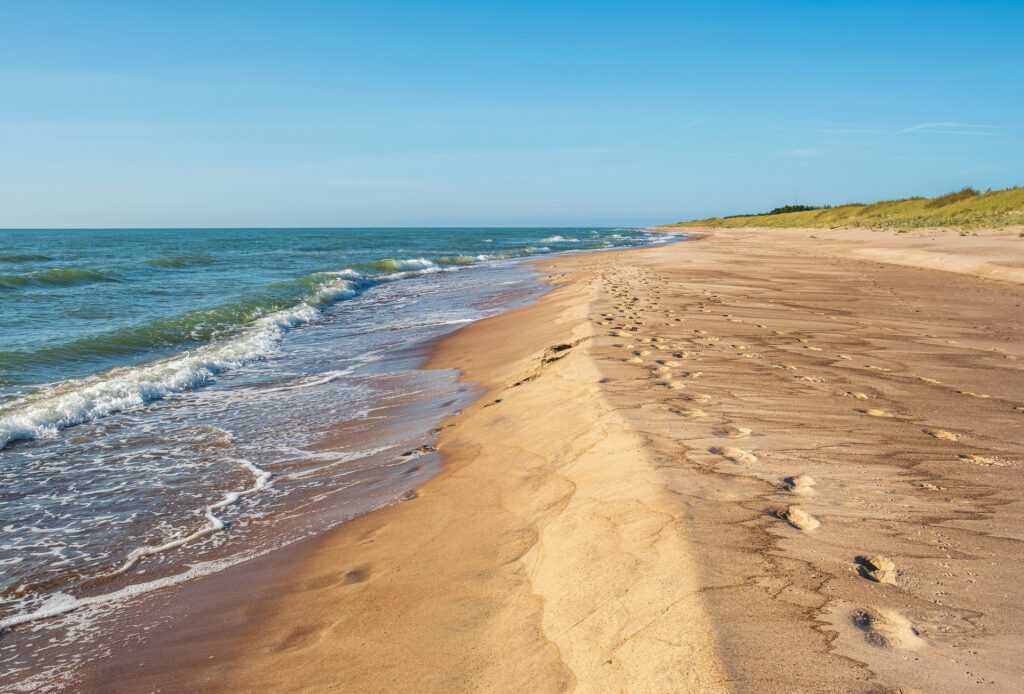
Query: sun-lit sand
[598, 529]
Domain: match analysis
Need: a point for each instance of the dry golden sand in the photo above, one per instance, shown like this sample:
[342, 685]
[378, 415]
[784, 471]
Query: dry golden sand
[598, 529]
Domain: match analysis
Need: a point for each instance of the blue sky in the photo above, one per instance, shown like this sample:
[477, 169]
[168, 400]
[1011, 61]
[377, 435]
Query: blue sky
[524, 113]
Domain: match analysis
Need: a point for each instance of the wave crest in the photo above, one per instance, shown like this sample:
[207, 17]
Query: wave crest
[183, 260]
[54, 277]
[395, 265]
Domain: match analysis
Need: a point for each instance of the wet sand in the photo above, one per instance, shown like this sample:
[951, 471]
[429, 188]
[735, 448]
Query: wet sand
[760, 461]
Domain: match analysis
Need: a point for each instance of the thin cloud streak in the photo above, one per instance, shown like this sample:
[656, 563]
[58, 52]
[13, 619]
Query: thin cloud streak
[952, 129]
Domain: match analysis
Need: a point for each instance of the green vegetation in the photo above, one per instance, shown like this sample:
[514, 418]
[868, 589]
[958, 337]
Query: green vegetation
[796, 208]
[965, 208]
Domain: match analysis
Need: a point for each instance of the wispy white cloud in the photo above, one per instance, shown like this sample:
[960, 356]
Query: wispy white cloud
[952, 129]
[832, 128]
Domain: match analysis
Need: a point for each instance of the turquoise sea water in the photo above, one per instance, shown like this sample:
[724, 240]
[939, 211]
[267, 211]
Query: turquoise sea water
[174, 401]
[80, 301]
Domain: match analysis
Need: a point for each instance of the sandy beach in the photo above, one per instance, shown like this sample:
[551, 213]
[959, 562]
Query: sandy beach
[754, 461]
[512, 348]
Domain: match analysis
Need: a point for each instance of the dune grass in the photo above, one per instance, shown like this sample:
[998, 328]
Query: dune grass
[966, 208]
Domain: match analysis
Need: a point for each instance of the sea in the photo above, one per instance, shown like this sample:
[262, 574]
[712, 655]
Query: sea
[177, 401]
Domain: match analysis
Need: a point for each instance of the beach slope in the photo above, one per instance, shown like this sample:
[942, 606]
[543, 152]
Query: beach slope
[754, 461]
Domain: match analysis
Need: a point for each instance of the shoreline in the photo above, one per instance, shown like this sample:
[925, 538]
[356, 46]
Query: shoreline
[411, 549]
[181, 661]
[613, 517]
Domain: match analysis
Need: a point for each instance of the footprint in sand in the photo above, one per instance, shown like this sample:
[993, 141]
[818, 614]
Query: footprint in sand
[799, 484]
[973, 395]
[736, 455]
[303, 637]
[798, 518]
[877, 568]
[690, 412]
[943, 434]
[810, 379]
[731, 431]
[876, 413]
[887, 629]
[674, 385]
[634, 360]
[856, 394]
[843, 356]
[788, 367]
[697, 397]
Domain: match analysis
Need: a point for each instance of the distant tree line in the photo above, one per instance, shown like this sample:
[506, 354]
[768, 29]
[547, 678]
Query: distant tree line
[796, 208]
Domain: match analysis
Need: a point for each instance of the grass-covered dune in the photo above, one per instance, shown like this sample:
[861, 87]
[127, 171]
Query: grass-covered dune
[963, 208]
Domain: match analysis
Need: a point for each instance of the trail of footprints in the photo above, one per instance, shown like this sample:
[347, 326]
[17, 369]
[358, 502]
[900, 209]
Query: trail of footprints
[643, 324]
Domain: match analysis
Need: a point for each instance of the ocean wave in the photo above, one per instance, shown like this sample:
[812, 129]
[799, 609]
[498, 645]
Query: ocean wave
[47, 411]
[393, 265]
[456, 260]
[54, 277]
[183, 260]
[22, 257]
[232, 335]
[558, 239]
[194, 327]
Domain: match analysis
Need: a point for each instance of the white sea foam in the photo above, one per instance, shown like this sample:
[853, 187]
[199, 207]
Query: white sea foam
[213, 523]
[75, 401]
[59, 603]
[335, 290]
[321, 379]
[558, 239]
[407, 264]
